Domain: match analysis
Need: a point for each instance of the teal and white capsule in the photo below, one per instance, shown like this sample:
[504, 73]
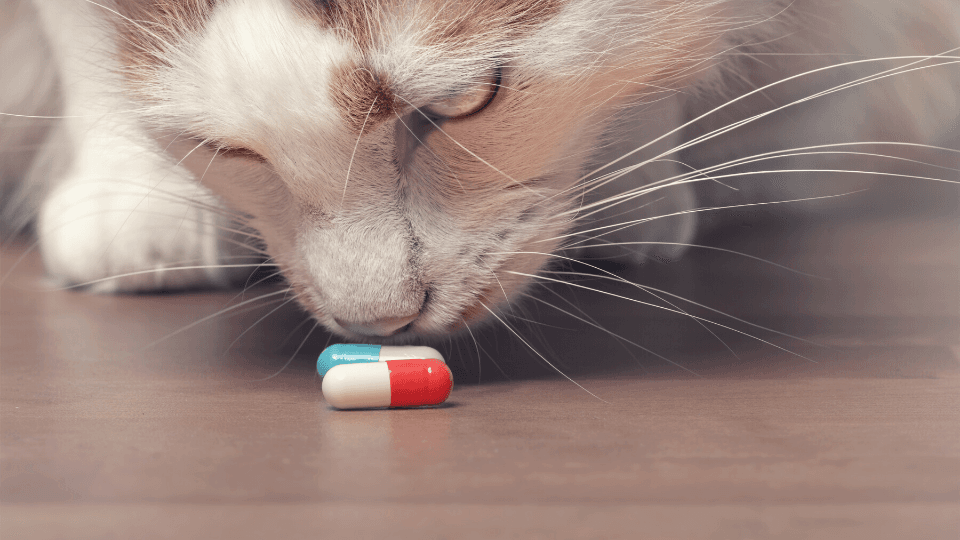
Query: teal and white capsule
[343, 353]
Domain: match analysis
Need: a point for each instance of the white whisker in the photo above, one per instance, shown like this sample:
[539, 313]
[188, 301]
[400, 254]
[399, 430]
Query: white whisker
[294, 331]
[613, 277]
[594, 184]
[258, 321]
[153, 271]
[619, 338]
[693, 211]
[477, 346]
[215, 315]
[465, 149]
[354, 154]
[295, 353]
[641, 302]
[555, 368]
[778, 154]
[711, 248]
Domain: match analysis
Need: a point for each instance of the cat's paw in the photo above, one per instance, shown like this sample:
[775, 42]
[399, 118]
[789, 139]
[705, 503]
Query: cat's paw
[111, 236]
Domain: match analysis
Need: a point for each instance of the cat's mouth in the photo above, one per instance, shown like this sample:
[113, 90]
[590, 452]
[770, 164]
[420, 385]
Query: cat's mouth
[431, 321]
[376, 290]
[401, 327]
[379, 328]
[392, 329]
[383, 333]
[387, 330]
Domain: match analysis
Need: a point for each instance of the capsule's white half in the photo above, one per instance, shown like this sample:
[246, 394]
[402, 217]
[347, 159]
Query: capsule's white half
[409, 353]
[357, 386]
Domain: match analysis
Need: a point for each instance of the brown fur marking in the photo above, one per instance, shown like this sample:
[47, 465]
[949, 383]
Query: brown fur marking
[363, 98]
[352, 18]
[147, 28]
[454, 22]
[511, 18]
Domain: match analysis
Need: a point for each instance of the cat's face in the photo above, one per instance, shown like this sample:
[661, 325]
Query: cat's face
[401, 159]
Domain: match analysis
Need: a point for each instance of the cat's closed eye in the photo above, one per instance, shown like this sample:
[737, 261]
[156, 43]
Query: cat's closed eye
[231, 151]
[467, 103]
[409, 195]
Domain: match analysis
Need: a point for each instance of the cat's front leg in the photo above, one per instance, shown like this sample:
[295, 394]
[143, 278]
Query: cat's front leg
[125, 218]
[120, 214]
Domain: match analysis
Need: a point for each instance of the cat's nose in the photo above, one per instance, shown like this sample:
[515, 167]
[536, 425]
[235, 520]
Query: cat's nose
[378, 328]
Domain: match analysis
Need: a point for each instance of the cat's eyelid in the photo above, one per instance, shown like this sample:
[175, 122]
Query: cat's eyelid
[226, 150]
[468, 103]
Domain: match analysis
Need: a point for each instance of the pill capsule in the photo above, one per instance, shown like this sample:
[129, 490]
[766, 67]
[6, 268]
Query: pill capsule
[343, 353]
[394, 383]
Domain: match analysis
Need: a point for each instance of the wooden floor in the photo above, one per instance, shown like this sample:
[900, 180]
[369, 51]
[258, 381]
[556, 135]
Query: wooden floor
[852, 434]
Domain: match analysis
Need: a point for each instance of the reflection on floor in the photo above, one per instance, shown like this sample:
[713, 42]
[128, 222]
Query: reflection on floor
[838, 418]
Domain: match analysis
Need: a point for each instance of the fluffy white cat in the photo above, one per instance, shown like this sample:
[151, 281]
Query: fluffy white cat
[408, 165]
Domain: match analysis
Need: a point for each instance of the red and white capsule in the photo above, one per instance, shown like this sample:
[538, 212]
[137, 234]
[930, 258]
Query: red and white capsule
[394, 383]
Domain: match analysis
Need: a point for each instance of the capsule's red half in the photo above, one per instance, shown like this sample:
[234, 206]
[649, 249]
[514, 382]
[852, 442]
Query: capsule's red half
[394, 383]
[414, 383]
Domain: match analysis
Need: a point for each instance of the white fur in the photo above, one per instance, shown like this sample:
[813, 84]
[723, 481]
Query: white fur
[256, 70]
[410, 217]
[121, 205]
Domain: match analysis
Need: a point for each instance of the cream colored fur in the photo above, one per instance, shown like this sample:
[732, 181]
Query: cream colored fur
[412, 219]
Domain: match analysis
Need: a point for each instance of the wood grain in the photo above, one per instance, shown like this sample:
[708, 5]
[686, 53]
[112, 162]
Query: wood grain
[104, 437]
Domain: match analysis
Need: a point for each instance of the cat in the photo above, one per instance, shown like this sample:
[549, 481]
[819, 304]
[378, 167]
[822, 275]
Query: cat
[409, 166]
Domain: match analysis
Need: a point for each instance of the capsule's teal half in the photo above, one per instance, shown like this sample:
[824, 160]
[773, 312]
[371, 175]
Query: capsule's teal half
[344, 353]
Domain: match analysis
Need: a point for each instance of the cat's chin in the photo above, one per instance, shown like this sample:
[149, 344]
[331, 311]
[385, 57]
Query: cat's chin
[456, 299]
[415, 335]
[426, 330]
[420, 332]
